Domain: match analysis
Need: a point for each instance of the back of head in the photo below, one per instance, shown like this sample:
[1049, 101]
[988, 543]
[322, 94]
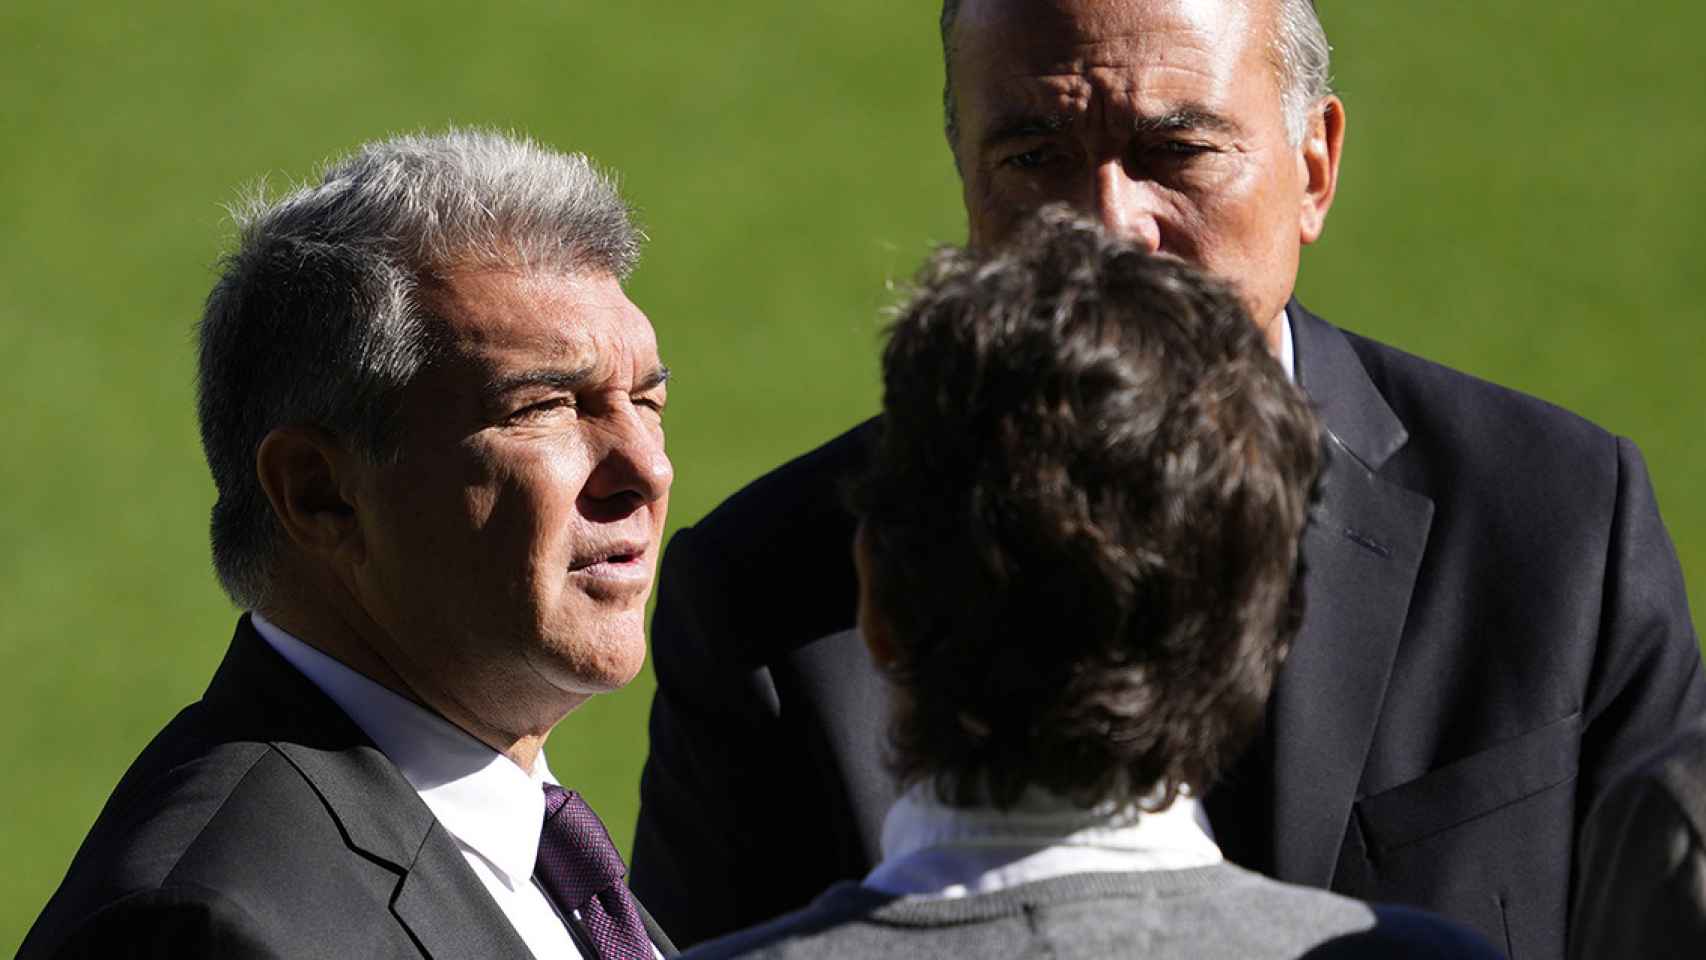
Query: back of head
[1081, 522]
[318, 317]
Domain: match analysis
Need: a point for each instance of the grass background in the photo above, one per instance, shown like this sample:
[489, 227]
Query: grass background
[1521, 199]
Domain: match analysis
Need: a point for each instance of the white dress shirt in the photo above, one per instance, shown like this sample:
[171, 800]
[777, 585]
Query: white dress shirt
[493, 808]
[1287, 353]
[932, 850]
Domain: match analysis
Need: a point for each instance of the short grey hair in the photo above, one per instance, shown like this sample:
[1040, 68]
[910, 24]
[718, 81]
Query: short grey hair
[1304, 59]
[1302, 56]
[318, 318]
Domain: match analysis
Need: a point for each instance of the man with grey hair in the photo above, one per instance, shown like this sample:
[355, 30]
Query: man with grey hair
[1496, 617]
[433, 419]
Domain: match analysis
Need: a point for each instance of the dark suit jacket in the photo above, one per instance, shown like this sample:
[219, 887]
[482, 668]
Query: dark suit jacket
[1496, 620]
[1643, 889]
[262, 823]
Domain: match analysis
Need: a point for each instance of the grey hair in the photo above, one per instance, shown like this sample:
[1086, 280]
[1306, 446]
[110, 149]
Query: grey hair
[317, 316]
[1302, 57]
[950, 113]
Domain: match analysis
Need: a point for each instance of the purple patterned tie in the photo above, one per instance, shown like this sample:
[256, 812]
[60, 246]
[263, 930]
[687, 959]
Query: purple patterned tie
[581, 871]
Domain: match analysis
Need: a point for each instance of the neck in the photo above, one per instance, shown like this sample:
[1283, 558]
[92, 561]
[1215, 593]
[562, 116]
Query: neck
[1274, 331]
[345, 632]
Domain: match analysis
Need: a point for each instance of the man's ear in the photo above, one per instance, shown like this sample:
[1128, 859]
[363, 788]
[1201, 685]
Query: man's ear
[307, 476]
[1318, 156]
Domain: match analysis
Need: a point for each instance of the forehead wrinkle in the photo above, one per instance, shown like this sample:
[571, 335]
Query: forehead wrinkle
[497, 363]
[1161, 115]
[1022, 40]
[507, 354]
[1127, 67]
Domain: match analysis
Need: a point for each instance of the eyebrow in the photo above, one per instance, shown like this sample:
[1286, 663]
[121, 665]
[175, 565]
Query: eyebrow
[566, 380]
[548, 377]
[1023, 126]
[1187, 117]
[657, 378]
[1177, 120]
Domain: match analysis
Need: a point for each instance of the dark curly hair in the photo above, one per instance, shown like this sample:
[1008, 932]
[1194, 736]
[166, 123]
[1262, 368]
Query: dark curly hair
[1081, 520]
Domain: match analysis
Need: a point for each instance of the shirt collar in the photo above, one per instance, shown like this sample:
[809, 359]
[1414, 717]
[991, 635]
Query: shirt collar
[932, 848]
[481, 797]
[1286, 353]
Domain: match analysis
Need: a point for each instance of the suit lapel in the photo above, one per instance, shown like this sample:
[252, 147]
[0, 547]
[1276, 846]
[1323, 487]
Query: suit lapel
[437, 898]
[1361, 551]
[659, 938]
[446, 910]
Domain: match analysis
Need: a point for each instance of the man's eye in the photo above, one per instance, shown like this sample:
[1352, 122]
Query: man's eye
[654, 404]
[542, 408]
[1180, 149]
[1032, 159]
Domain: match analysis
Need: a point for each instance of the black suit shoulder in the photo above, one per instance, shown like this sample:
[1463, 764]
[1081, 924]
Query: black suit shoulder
[273, 823]
[223, 843]
[771, 566]
[173, 789]
[1547, 536]
[262, 822]
[768, 507]
[169, 921]
[1547, 643]
[1523, 490]
[1471, 434]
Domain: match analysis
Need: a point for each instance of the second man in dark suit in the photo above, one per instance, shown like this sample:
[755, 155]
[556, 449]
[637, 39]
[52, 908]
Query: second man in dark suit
[1496, 617]
[1077, 556]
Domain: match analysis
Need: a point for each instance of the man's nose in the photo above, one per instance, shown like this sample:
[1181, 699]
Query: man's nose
[634, 468]
[1129, 208]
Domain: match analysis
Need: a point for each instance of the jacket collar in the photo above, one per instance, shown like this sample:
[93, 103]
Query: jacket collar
[1356, 414]
[438, 899]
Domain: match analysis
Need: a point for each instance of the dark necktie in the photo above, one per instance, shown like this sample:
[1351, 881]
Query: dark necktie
[581, 871]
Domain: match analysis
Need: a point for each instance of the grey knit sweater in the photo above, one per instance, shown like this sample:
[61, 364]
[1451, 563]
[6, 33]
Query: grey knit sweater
[1206, 913]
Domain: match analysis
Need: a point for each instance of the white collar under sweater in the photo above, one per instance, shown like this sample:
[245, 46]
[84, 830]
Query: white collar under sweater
[934, 850]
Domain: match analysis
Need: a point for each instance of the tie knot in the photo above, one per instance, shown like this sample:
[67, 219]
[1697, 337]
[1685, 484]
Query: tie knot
[576, 857]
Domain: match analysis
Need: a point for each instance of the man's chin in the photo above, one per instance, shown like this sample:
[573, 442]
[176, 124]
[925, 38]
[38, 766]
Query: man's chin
[593, 665]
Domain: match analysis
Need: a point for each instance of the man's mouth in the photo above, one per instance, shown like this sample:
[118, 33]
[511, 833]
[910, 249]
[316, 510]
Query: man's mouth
[615, 559]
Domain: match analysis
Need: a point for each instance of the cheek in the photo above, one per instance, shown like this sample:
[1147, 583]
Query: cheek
[426, 509]
[997, 201]
[982, 210]
[1241, 221]
[549, 486]
[520, 517]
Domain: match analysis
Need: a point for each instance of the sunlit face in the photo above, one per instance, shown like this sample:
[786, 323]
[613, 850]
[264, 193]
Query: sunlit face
[1162, 118]
[510, 550]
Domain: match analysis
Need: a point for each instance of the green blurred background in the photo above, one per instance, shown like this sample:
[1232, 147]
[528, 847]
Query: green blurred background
[1521, 199]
